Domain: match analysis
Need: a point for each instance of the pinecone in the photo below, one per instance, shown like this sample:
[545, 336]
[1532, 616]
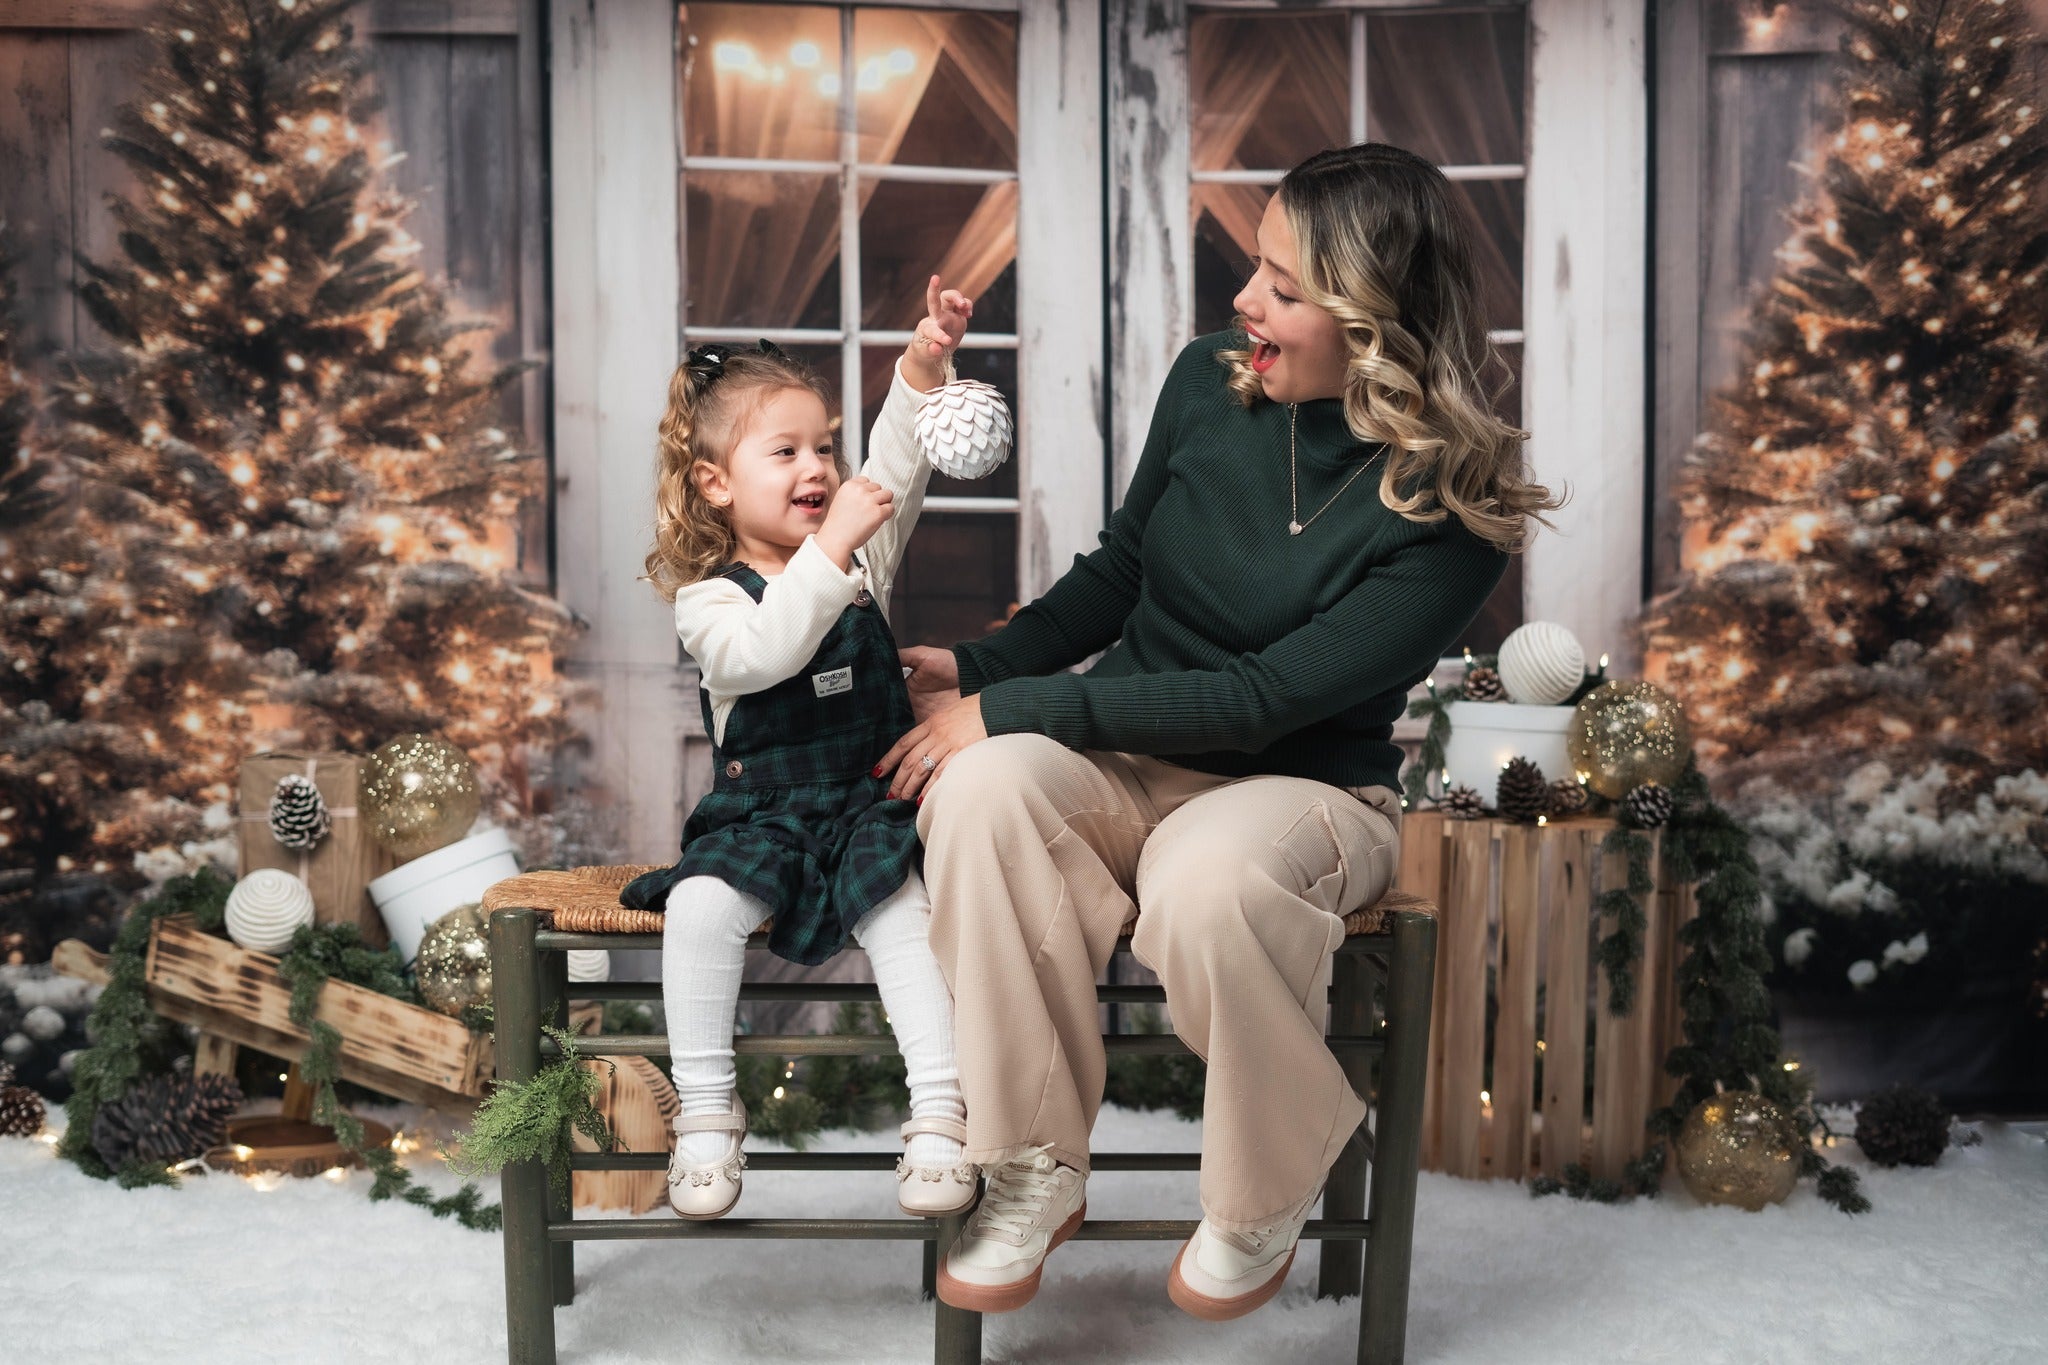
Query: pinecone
[1483, 684]
[21, 1109]
[1521, 794]
[1647, 806]
[165, 1120]
[1567, 797]
[1463, 803]
[298, 813]
[1902, 1126]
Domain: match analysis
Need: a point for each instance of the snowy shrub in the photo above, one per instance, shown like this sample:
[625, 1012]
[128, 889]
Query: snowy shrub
[1897, 884]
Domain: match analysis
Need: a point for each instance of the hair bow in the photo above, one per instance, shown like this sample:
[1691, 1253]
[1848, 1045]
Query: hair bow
[708, 362]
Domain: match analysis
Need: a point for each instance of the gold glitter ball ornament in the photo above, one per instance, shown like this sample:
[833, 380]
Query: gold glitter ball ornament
[1624, 734]
[419, 794]
[454, 965]
[1739, 1148]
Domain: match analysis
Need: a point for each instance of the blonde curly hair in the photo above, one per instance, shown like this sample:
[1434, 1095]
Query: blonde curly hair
[1385, 251]
[708, 404]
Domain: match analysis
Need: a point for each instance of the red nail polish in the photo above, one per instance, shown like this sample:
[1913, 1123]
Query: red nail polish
[920, 800]
[877, 772]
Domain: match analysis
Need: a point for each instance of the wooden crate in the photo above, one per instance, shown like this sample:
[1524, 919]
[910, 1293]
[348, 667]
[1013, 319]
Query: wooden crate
[1517, 902]
[235, 996]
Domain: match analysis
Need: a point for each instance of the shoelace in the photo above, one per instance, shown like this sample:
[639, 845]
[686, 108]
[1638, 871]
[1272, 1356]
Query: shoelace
[1017, 1195]
[1250, 1243]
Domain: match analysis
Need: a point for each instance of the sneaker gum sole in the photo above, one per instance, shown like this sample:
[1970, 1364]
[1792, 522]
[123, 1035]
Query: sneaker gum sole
[1222, 1310]
[1003, 1298]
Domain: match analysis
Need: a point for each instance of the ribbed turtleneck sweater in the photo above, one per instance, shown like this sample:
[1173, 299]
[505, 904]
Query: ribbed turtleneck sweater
[1234, 647]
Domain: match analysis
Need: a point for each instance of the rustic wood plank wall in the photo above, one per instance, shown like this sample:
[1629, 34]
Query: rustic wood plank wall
[463, 85]
[1743, 99]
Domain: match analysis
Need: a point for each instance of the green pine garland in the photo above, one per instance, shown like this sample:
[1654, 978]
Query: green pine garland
[1729, 1042]
[129, 1040]
[1621, 951]
[854, 1092]
[318, 954]
[531, 1120]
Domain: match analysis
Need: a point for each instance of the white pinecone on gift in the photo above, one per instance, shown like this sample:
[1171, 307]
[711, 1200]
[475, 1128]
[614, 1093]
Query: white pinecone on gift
[965, 428]
[298, 813]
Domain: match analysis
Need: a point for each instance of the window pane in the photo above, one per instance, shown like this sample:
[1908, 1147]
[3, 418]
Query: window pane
[967, 234]
[878, 368]
[936, 89]
[1226, 238]
[762, 248]
[1449, 87]
[1267, 91]
[958, 580]
[1493, 210]
[761, 81]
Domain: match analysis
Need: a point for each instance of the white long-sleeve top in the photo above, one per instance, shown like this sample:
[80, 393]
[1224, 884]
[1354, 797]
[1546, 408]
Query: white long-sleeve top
[743, 646]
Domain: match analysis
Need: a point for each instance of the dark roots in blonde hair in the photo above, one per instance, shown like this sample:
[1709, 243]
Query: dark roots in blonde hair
[1386, 252]
[705, 411]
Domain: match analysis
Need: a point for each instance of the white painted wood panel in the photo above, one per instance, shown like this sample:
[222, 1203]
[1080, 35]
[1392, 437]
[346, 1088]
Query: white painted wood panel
[1585, 300]
[1060, 282]
[616, 283]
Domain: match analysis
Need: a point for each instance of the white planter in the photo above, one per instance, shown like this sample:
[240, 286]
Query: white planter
[1486, 734]
[413, 895]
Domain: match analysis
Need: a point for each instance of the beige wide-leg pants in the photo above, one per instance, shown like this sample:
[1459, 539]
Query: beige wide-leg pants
[1036, 856]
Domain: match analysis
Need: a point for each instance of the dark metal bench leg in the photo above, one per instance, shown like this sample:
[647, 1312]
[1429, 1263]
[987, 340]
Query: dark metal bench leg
[529, 1285]
[1411, 973]
[956, 1333]
[929, 1288]
[554, 1009]
[1344, 1195]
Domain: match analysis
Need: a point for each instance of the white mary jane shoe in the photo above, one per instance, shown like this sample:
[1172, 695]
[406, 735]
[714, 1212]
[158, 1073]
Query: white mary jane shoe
[935, 1191]
[707, 1190]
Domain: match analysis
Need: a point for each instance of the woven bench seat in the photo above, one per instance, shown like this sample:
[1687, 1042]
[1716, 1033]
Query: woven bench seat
[1379, 1025]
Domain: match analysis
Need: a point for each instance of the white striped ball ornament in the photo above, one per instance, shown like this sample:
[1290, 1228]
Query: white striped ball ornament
[1541, 664]
[266, 908]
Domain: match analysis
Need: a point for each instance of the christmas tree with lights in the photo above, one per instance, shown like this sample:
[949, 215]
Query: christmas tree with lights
[293, 503]
[1868, 531]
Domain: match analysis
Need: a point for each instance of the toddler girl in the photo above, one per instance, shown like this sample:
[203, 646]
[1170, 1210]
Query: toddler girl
[778, 569]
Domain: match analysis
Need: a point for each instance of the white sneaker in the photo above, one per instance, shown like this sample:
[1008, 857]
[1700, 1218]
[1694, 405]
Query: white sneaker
[935, 1191]
[1221, 1274]
[705, 1190]
[1031, 1205]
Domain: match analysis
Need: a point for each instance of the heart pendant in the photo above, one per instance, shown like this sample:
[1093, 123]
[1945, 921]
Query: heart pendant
[1293, 528]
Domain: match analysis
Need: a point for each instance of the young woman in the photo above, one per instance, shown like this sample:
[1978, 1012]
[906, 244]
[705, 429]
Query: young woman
[1323, 504]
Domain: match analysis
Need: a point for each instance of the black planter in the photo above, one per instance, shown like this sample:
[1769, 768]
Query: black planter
[1980, 1050]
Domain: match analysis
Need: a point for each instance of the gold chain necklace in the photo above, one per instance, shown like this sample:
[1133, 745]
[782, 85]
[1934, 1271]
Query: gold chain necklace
[1295, 525]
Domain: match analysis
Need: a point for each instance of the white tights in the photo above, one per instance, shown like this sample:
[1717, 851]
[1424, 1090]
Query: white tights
[703, 950]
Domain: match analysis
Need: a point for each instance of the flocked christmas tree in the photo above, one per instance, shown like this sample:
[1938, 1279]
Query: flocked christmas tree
[292, 491]
[1868, 543]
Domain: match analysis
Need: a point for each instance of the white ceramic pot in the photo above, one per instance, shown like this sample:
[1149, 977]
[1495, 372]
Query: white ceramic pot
[413, 895]
[1486, 734]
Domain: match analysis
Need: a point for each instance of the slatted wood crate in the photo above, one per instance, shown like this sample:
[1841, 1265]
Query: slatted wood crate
[1517, 935]
[235, 997]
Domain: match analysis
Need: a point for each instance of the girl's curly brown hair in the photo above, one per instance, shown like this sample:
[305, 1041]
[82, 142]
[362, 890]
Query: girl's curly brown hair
[707, 406]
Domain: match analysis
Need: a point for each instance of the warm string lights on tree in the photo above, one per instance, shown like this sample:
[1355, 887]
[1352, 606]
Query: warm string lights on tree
[294, 489]
[1867, 541]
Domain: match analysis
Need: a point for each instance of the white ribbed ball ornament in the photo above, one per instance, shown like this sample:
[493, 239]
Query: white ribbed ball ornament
[590, 964]
[1541, 664]
[266, 908]
[964, 428]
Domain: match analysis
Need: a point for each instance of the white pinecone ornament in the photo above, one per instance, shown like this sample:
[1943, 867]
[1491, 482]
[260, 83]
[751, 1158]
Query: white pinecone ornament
[964, 428]
[298, 813]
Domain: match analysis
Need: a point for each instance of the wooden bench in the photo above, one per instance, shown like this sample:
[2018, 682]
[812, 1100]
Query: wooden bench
[1379, 1022]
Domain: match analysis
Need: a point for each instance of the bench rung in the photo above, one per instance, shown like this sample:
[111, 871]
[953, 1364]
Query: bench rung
[827, 992]
[562, 941]
[894, 1229]
[864, 1161]
[879, 1044]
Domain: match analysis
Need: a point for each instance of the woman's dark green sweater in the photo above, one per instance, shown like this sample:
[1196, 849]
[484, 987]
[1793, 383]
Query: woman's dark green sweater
[1238, 648]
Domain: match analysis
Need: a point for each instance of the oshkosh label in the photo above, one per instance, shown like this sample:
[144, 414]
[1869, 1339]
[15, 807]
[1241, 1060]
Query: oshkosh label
[833, 683]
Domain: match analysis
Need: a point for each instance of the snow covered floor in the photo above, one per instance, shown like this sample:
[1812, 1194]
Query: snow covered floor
[1952, 1266]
